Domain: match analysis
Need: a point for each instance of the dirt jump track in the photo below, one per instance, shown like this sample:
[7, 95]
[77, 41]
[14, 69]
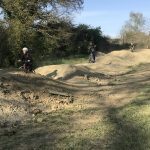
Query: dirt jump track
[58, 101]
[116, 62]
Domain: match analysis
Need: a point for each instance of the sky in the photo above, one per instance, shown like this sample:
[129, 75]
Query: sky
[110, 15]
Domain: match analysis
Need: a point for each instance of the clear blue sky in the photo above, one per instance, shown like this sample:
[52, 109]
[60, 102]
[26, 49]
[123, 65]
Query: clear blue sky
[110, 15]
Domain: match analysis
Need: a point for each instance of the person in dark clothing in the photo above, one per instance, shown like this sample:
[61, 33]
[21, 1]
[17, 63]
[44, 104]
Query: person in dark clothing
[132, 47]
[92, 53]
[26, 60]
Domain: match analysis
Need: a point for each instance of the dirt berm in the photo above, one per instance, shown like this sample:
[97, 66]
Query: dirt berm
[116, 62]
[37, 112]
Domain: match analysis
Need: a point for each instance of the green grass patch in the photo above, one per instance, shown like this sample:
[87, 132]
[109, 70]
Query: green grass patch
[132, 123]
[123, 128]
[68, 60]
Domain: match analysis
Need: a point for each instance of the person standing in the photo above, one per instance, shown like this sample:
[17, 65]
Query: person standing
[92, 52]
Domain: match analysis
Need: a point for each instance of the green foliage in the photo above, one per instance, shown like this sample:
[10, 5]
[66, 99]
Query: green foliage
[5, 53]
[76, 59]
[37, 24]
[83, 35]
[45, 27]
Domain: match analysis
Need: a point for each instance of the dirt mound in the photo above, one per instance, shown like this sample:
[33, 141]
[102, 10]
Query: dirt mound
[116, 62]
[65, 72]
[59, 71]
[22, 96]
[126, 58]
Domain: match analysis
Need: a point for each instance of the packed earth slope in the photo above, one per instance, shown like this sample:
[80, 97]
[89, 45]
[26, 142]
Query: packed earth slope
[104, 105]
[116, 62]
[21, 95]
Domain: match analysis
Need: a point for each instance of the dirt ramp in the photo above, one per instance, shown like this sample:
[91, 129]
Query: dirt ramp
[23, 96]
[65, 72]
[126, 57]
[142, 56]
[56, 71]
[116, 62]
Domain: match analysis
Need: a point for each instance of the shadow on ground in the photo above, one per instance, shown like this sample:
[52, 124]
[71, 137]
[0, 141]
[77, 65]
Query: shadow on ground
[90, 123]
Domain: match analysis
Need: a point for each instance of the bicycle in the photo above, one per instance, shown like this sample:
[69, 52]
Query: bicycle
[132, 47]
[91, 58]
[26, 66]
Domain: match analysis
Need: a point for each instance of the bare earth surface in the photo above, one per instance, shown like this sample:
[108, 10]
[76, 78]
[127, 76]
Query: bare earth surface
[82, 106]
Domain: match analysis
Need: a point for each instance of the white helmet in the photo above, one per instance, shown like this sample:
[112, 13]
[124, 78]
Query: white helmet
[25, 50]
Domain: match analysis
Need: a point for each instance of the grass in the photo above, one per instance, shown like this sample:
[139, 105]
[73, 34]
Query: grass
[88, 127]
[132, 123]
[125, 128]
[59, 130]
[67, 60]
[138, 67]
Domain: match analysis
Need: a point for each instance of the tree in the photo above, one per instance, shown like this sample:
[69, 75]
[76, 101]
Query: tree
[31, 22]
[136, 22]
[133, 27]
[5, 53]
[83, 35]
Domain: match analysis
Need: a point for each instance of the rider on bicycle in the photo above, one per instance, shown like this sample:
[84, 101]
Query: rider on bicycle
[26, 59]
[92, 53]
[132, 47]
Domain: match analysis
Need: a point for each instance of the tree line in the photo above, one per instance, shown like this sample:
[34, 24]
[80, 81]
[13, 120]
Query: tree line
[45, 27]
[136, 30]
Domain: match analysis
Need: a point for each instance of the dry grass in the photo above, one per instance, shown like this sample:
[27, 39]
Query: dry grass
[110, 116]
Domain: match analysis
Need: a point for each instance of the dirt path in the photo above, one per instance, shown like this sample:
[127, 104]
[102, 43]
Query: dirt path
[83, 112]
[91, 121]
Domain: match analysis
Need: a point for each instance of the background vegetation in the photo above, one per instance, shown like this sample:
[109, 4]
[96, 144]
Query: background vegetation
[45, 27]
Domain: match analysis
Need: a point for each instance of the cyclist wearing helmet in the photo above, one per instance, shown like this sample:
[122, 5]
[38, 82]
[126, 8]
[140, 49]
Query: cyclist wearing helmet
[26, 59]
